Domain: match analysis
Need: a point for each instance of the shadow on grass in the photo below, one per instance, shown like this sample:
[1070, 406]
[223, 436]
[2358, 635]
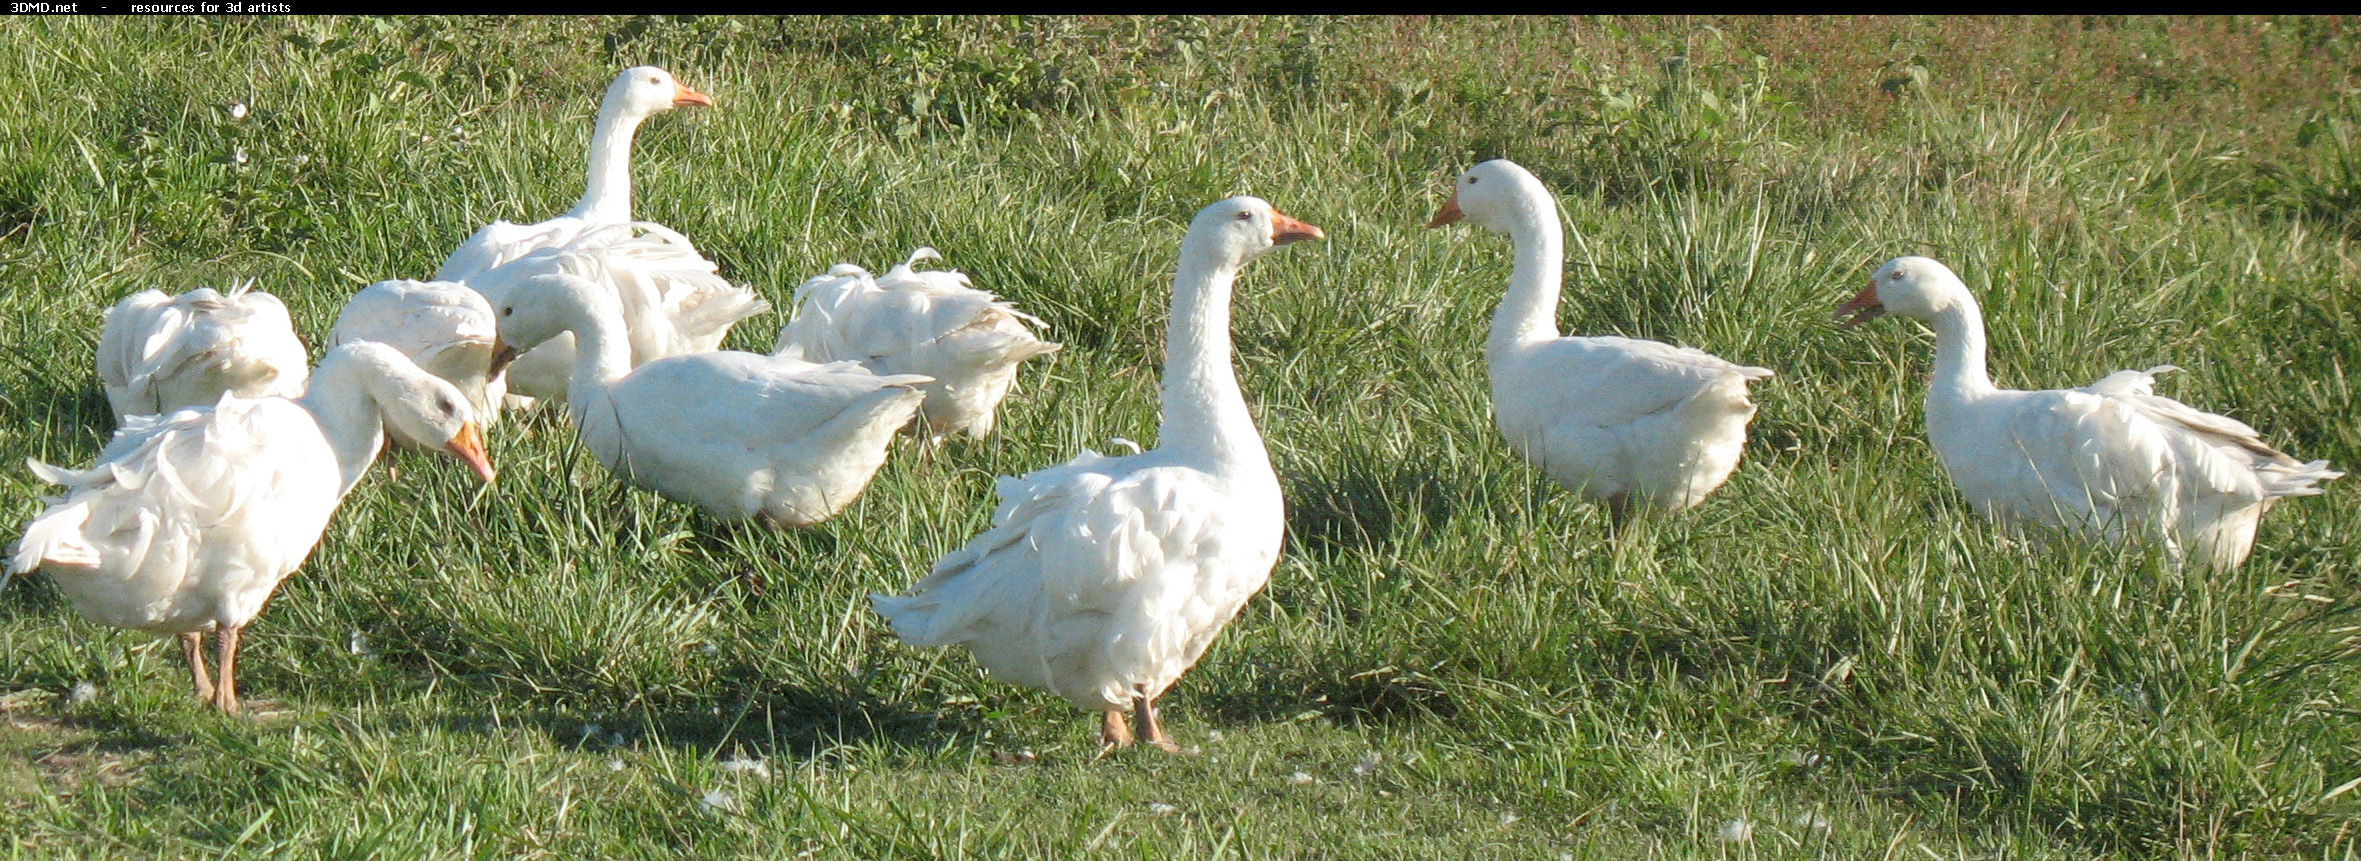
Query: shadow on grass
[1361, 508]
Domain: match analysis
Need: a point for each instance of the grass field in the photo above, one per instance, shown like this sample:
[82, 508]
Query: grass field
[1833, 657]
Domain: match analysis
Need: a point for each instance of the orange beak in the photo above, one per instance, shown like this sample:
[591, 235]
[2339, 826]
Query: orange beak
[502, 355]
[1449, 213]
[1864, 307]
[1285, 230]
[683, 97]
[468, 445]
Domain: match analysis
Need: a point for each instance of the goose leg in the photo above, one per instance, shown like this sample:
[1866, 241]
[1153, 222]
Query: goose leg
[1151, 730]
[225, 695]
[1113, 731]
[192, 646]
[1619, 513]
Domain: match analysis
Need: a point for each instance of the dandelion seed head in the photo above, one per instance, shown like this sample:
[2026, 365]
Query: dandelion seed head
[747, 765]
[1299, 779]
[237, 110]
[1735, 831]
[82, 692]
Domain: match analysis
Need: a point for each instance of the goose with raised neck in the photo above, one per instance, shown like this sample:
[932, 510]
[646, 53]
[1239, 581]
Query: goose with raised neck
[1104, 579]
[674, 299]
[907, 321]
[1634, 424]
[739, 435]
[2108, 460]
[188, 521]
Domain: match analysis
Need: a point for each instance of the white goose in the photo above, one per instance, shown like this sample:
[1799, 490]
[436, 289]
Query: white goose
[1102, 580]
[189, 520]
[740, 435]
[910, 322]
[1620, 420]
[444, 327]
[157, 353]
[673, 299]
[2110, 459]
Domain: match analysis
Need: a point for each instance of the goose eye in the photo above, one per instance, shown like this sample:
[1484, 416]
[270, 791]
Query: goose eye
[508, 312]
[655, 80]
[1245, 216]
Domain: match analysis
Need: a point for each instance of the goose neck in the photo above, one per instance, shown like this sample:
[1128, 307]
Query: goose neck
[1204, 413]
[1529, 311]
[606, 199]
[1959, 374]
[602, 354]
[341, 400]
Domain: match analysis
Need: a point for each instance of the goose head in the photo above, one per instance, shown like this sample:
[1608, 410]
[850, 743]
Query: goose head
[643, 91]
[429, 408]
[542, 307]
[1909, 286]
[417, 404]
[1491, 195]
[1242, 228]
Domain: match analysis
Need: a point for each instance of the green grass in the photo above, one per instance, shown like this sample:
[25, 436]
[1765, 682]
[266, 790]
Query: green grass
[1833, 649]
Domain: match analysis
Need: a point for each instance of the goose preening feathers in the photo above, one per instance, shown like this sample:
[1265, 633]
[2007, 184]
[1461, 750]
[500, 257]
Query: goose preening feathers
[1105, 578]
[157, 353]
[1625, 421]
[2109, 459]
[911, 322]
[190, 519]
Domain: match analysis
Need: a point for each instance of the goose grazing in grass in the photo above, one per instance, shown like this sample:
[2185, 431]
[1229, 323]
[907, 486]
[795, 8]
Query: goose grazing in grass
[189, 520]
[444, 327]
[740, 435]
[674, 300]
[1103, 579]
[2109, 459]
[911, 322]
[1628, 422]
[158, 353]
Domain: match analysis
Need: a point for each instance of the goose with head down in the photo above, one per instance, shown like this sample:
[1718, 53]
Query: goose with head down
[189, 520]
[444, 327]
[739, 435]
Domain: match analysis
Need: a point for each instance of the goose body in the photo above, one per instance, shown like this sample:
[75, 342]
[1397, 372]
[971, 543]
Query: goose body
[1629, 422]
[2109, 460]
[1102, 580]
[189, 520]
[444, 327]
[158, 353]
[674, 300]
[740, 435]
[911, 322]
